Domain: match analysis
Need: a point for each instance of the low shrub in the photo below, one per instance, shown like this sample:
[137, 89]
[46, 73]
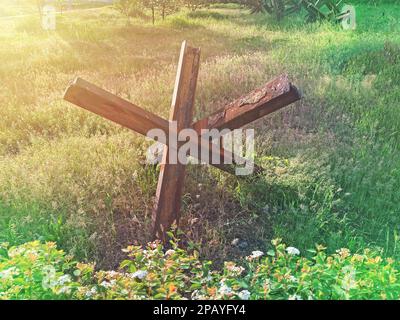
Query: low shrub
[36, 271]
[41, 271]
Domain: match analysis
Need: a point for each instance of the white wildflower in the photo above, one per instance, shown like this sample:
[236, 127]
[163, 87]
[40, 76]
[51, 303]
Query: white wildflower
[49, 277]
[348, 283]
[169, 252]
[16, 252]
[295, 297]
[292, 279]
[8, 273]
[237, 270]
[65, 290]
[91, 293]
[349, 279]
[112, 273]
[225, 290]
[293, 251]
[256, 254]
[64, 279]
[106, 284]
[244, 295]
[140, 274]
[197, 296]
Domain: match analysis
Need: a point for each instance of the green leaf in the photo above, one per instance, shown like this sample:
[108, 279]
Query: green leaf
[77, 272]
[271, 253]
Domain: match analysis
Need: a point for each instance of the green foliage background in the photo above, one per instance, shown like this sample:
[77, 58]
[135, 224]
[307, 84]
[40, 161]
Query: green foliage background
[332, 160]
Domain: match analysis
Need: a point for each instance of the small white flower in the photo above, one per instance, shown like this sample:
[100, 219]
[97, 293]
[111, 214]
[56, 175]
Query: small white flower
[106, 284]
[197, 296]
[113, 273]
[91, 293]
[208, 277]
[237, 270]
[293, 279]
[64, 279]
[169, 252]
[66, 290]
[349, 279]
[293, 251]
[225, 290]
[16, 252]
[295, 297]
[140, 274]
[256, 254]
[8, 273]
[49, 277]
[244, 295]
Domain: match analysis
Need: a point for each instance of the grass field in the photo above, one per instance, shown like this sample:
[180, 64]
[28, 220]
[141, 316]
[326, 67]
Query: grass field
[333, 160]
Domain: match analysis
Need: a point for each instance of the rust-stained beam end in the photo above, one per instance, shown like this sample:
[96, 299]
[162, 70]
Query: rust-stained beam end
[69, 91]
[262, 101]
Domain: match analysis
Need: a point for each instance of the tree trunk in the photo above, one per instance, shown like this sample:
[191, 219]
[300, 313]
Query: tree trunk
[39, 6]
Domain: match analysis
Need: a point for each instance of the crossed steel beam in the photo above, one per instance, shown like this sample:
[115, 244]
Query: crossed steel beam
[269, 98]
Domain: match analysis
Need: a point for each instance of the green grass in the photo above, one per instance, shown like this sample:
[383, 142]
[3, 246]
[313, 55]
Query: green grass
[333, 165]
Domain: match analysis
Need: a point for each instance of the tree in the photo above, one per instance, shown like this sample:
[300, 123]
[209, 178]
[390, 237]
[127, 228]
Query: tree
[152, 5]
[40, 4]
[59, 4]
[130, 8]
[167, 7]
[135, 8]
[193, 5]
[277, 8]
